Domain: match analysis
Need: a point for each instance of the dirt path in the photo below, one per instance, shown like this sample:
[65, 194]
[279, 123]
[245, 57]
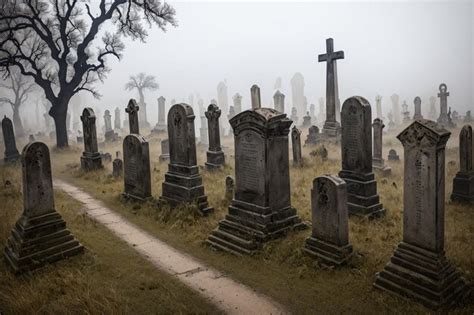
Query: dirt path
[227, 294]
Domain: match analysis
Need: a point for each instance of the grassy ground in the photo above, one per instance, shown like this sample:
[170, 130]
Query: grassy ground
[109, 278]
[281, 270]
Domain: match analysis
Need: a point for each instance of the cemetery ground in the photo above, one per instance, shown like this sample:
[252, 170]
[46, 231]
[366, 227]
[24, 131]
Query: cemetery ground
[280, 270]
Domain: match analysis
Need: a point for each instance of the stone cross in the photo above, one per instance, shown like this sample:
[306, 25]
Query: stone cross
[279, 101]
[90, 159]
[329, 240]
[229, 188]
[378, 106]
[378, 162]
[255, 97]
[296, 146]
[463, 183]
[331, 125]
[107, 121]
[132, 111]
[203, 134]
[237, 99]
[117, 119]
[443, 102]
[136, 161]
[417, 102]
[117, 166]
[165, 150]
[215, 156]
[11, 152]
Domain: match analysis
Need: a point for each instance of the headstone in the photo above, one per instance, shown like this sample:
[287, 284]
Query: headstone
[117, 119]
[378, 106]
[450, 123]
[165, 150]
[90, 159]
[323, 152]
[117, 166]
[356, 149]
[455, 116]
[106, 157]
[463, 183]
[136, 164]
[392, 155]
[396, 109]
[161, 124]
[378, 162]
[331, 125]
[183, 183]
[294, 115]
[110, 134]
[40, 235]
[222, 98]
[419, 268]
[11, 152]
[237, 99]
[297, 93]
[312, 112]
[468, 117]
[132, 111]
[405, 113]
[255, 97]
[261, 209]
[296, 146]
[433, 113]
[443, 104]
[215, 156]
[329, 240]
[203, 134]
[417, 102]
[279, 101]
[313, 137]
[391, 123]
[31, 138]
[229, 188]
[307, 120]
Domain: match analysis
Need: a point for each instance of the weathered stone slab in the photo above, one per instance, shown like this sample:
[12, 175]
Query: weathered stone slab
[279, 101]
[463, 182]
[165, 150]
[314, 137]
[378, 162]
[296, 146]
[117, 166]
[215, 156]
[90, 159]
[136, 161]
[161, 124]
[255, 97]
[11, 152]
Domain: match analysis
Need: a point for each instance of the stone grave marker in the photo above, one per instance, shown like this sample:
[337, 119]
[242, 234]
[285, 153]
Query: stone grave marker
[294, 115]
[279, 101]
[297, 93]
[90, 159]
[443, 104]
[136, 164]
[229, 188]
[307, 120]
[378, 162]
[237, 99]
[296, 146]
[378, 106]
[215, 156]
[132, 111]
[11, 152]
[165, 150]
[392, 155]
[161, 124]
[417, 102]
[117, 166]
[255, 97]
[117, 119]
[313, 137]
[463, 182]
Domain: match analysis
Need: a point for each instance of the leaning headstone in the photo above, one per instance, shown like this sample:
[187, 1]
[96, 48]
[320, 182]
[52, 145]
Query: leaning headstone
[215, 156]
[132, 111]
[165, 150]
[279, 101]
[329, 240]
[237, 99]
[419, 268]
[296, 146]
[261, 209]
[362, 198]
[417, 102]
[378, 162]
[393, 156]
[463, 183]
[313, 137]
[183, 183]
[40, 235]
[11, 152]
[90, 159]
[117, 166]
[229, 188]
[255, 97]
[117, 120]
[136, 163]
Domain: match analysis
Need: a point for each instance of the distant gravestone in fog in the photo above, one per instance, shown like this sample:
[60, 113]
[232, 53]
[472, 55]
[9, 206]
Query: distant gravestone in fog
[222, 98]
[132, 111]
[117, 166]
[90, 159]
[255, 97]
[40, 235]
[161, 124]
[136, 162]
[468, 117]
[215, 156]
[463, 183]
[279, 101]
[378, 106]
[296, 146]
[297, 93]
[229, 188]
[329, 240]
[378, 162]
[110, 134]
[117, 120]
[312, 112]
[443, 102]
[183, 183]
[262, 184]
[322, 110]
[237, 99]
[405, 113]
[203, 132]
[313, 137]
[356, 148]
[307, 120]
[31, 138]
[165, 150]
[393, 156]
[417, 102]
[11, 152]
[396, 109]
[433, 113]
[294, 116]
[419, 268]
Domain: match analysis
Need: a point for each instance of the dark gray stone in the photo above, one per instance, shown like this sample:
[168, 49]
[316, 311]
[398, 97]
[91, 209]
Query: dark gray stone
[215, 156]
[279, 101]
[378, 162]
[11, 152]
[90, 159]
[417, 102]
[393, 156]
[229, 188]
[443, 104]
[463, 183]
[296, 146]
[161, 124]
[255, 97]
[165, 150]
[314, 137]
[117, 166]
[132, 111]
[468, 117]
[136, 161]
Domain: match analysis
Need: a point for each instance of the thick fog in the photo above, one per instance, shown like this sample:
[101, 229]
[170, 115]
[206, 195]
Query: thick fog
[407, 48]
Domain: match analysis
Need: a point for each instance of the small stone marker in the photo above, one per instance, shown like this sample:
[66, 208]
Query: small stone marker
[255, 97]
[279, 101]
[161, 124]
[132, 111]
[136, 161]
[215, 156]
[31, 138]
[40, 235]
[378, 162]
[329, 240]
[90, 159]
[463, 183]
[419, 268]
[417, 102]
[11, 152]
[117, 166]
[296, 146]
[313, 137]
[393, 156]
[229, 187]
[165, 150]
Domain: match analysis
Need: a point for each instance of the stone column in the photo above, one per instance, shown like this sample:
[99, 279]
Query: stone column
[215, 156]
[378, 106]
[255, 97]
[161, 124]
[237, 99]
[117, 120]
[11, 152]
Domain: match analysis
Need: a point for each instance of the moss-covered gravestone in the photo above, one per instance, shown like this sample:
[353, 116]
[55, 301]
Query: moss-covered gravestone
[90, 159]
[136, 163]
[463, 183]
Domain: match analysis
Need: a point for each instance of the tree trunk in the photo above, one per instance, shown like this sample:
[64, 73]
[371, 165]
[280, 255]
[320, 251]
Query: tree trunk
[19, 131]
[59, 113]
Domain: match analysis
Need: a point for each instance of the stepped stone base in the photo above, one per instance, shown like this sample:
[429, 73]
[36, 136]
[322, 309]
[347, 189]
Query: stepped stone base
[328, 253]
[424, 276]
[128, 196]
[37, 241]
[91, 161]
[215, 160]
[463, 188]
[247, 227]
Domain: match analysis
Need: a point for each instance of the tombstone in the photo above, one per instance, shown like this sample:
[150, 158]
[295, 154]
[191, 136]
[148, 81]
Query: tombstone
[11, 152]
[255, 97]
[419, 268]
[432, 112]
[229, 188]
[136, 166]
[117, 120]
[213, 101]
[356, 149]
[391, 123]
[31, 138]
[307, 120]
[297, 93]
[378, 106]
[393, 156]
[417, 102]
[468, 118]
[237, 99]
[378, 163]
[294, 115]
[222, 98]
[132, 111]
[312, 112]
[296, 146]
[279, 101]
[463, 183]
[161, 124]
[261, 209]
[329, 240]
[331, 125]
[110, 134]
[106, 157]
[455, 116]
[450, 123]
[79, 138]
[117, 166]
[405, 113]
[313, 137]
[203, 134]
[396, 109]
[322, 110]
[165, 150]
[40, 235]
[90, 159]
[443, 103]
[183, 183]
[215, 156]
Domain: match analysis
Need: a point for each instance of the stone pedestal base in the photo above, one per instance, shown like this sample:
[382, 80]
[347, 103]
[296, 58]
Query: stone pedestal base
[111, 136]
[184, 185]
[329, 254]
[422, 275]
[463, 188]
[11, 157]
[91, 161]
[37, 241]
[331, 129]
[362, 197]
[215, 159]
[247, 226]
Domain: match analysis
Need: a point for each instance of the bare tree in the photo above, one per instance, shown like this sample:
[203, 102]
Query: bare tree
[21, 87]
[56, 43]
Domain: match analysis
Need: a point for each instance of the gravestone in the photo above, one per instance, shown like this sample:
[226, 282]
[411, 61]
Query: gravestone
[450, 123]
[279, 101]
[31, 138]
[117, 166]
[215, 156]
[331, 125]
[313, 137]
[312, 114]
[40, 236]
[117, 119]
[329, 240]
[356, 149]
[165, 150]
[378, 106]
[396, 109]
[468, 117]
[161, 124]
[455, 116]
[203, 134]
[297, 93]
[405, 113]
[255, 97]
[392, 155]
[443, 105]
[110, 134]
[132, 111]
[237, 99]
[136, 165]
[433, 112]
[231, 113]
[296, 146]
[223, 101]
[322, 110]
[417, 102]
[391, 123]
[307, 120]
[261, 209]
[378, 163]
[229, 188]
[11, 152]
[463, 183]
[90, 159]
[183, 183]
[419, 268]
[294, 115]
[323, 152]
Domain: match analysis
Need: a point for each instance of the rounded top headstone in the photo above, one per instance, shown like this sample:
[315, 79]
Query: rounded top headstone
[443, 87]
[132, 106]
[417, 100]
[87, 114]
